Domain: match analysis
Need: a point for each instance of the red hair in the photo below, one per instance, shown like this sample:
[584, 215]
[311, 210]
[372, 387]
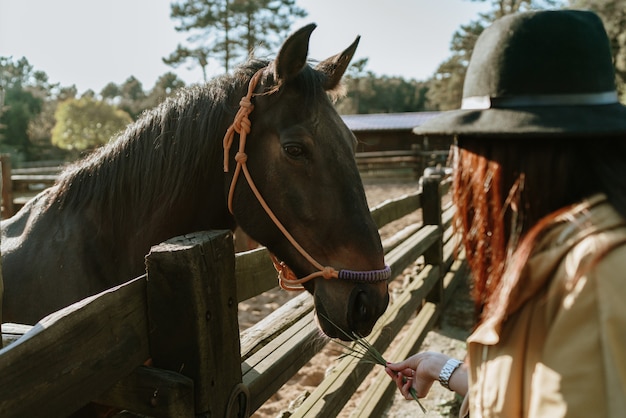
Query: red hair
[507, 192]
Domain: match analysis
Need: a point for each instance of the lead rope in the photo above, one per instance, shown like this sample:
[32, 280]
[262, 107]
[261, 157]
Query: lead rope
[287, 278]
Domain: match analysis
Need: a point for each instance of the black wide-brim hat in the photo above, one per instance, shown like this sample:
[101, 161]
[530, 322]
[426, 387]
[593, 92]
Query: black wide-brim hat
[544, 73]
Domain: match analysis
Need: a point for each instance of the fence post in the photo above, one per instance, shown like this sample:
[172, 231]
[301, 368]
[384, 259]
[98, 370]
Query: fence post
[431, 212]
[192, 312]
[1, 194]
[7, 187]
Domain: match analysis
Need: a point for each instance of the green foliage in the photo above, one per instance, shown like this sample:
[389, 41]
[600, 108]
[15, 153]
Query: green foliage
[445, 88]
[31, 101]
[507, 7]
[24, 94]
[229, 29]
[368, 93]
[21, 107]
[86, 123]
[131, 97]
[164, 87]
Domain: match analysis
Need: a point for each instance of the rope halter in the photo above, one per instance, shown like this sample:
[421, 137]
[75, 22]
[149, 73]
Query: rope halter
[286, 277]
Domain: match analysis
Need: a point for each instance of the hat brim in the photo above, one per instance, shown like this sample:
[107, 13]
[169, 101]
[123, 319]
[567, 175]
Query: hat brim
[598, 120]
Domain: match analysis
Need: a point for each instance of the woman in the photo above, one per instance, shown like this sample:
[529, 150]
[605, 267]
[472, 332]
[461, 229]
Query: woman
[540, 190]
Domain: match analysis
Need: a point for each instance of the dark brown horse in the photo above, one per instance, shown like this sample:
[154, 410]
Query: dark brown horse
[164, 177]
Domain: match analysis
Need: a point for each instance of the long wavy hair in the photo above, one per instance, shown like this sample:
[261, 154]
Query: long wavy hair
[508, 191]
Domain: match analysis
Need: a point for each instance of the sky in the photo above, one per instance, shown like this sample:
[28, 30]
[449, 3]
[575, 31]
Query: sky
[89, 43]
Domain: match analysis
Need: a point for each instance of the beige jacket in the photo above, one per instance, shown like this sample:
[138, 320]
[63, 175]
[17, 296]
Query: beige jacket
[562, 349]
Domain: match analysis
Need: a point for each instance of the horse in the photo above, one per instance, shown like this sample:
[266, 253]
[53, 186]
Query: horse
[173, 172]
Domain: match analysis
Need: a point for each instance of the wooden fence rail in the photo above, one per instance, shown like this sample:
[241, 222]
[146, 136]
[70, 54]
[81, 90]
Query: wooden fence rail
[398, 164]
[22, 184]
[183, 316]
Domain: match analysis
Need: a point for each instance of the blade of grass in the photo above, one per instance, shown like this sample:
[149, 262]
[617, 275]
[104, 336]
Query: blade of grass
[371, 355]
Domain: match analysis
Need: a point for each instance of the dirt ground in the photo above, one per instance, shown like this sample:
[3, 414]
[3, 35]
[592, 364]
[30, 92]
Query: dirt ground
[447, 337]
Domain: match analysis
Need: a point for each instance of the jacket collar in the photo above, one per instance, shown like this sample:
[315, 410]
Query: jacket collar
[590, 216]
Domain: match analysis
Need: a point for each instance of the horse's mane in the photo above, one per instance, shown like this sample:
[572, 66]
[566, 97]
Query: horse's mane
[168, 149]
[156, 156]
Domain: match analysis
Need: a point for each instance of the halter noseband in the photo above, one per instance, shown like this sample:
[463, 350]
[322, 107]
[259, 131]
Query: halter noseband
[287, 278]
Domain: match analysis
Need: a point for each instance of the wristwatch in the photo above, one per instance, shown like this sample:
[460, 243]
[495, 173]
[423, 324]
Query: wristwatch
[447, 370]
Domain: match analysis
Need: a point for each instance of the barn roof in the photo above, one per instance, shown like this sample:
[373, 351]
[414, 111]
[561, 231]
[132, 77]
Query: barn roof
[387, 121]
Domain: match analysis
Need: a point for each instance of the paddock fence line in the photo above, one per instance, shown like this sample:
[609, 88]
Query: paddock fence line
[22, 184]
[398, 164]
[182, 317]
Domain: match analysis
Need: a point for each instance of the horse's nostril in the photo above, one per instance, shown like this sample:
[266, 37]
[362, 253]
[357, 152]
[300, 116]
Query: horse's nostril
[359, 317]
[361, 307]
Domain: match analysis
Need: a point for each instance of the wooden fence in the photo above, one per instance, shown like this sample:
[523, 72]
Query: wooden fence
[22, 184]
[183, 316]
[19, 185]
[399, 164]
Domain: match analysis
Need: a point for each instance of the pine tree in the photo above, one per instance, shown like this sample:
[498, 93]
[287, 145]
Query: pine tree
[227, 31]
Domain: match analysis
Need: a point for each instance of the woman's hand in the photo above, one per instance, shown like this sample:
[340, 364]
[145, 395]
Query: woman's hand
[420, 371]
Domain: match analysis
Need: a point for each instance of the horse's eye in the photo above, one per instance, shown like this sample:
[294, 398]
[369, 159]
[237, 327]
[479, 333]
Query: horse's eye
[294, 150]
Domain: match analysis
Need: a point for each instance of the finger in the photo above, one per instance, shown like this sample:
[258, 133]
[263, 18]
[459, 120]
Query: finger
[398, 366]
[408, 372]
[399, 382]
[406, 388]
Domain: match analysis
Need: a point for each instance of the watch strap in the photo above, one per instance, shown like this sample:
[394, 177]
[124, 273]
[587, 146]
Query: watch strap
[446, 372]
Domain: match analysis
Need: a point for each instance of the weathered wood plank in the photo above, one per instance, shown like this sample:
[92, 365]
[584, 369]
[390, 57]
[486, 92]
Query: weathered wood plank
[381, 389]
[267, 329]
[105, 336]
[7, 187]
[271, 335]
[399, 237]
[390, 153]
[393, 209]
[338, 386]
[152, 392]
[12, 332]
[406, 253]
[254, 273]
[270, 367]
[192, 299]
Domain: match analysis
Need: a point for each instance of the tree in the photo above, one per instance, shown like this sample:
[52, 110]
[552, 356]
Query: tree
[165, 86]
[354, 74]
[110, 91]
[446, 86]
[264, 23]
[506, 7]
[24, 93]
[132, 97]
[85, 123]
[229, 29]
[613, 14]
[40, 127]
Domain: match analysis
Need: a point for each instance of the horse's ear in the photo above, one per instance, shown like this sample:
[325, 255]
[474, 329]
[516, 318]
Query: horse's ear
[292, 56]
[335, 66]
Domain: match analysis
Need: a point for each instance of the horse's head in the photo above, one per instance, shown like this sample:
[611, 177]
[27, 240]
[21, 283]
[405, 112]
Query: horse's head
[300, 156]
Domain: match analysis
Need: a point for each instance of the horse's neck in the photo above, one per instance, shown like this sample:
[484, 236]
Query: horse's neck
[203, 208]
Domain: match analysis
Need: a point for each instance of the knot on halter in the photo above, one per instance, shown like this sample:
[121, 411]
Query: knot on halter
[245, 103]
[287, 278]
[242, 125]
[241, 157]
[328, 272]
